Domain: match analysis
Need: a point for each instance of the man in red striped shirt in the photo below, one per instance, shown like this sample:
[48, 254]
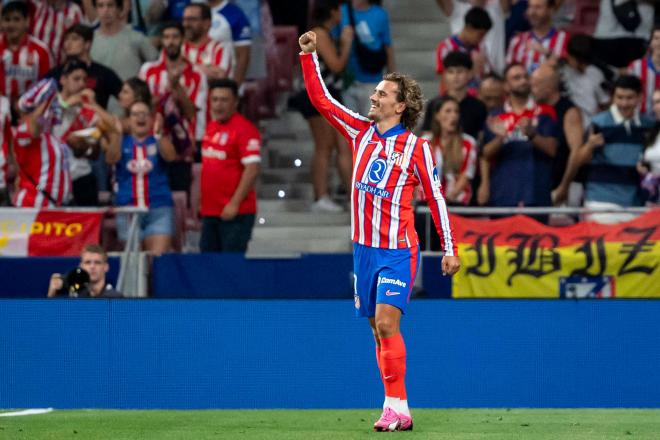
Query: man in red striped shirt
[23, 58]
[542, 42]
[43, 162]
[212, 57]
[477, 25]
[173, 76]
[50, 19]
[5, 142]
[388, 163]
[648, 70]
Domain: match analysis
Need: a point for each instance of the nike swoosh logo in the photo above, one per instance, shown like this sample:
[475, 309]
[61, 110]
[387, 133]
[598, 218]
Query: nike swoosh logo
[390, 293]
[388, 377]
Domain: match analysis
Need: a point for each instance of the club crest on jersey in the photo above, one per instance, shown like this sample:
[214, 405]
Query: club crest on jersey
[436, 178]
[139, 166]
[396, 158]
[377, 171]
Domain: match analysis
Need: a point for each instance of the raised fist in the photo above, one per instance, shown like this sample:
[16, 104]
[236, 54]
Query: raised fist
[307, 42]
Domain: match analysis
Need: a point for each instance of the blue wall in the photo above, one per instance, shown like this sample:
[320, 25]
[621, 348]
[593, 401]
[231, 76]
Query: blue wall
[29, 277]
[315, 354]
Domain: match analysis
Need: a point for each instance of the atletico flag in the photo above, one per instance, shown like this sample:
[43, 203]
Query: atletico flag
[31, 232]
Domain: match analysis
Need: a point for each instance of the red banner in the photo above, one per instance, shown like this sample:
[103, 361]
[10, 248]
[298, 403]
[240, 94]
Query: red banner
[30, 232]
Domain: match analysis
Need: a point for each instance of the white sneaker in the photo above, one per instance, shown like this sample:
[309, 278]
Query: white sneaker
[325, 204]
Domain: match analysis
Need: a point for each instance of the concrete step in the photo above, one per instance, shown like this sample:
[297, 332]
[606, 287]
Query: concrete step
[420, 64]
[292, 145]
[412, 10]
[308, 219]
[290, 124]
[301, 232]
[295, 159]
[273, 248]
[275, 206]
[419, 35]
[285, 175]
[302, 191]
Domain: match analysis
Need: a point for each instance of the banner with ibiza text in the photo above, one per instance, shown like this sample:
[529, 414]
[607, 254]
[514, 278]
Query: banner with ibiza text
[32, 232]
[518, 257]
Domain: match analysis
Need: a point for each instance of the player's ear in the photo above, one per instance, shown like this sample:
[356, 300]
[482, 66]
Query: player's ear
[400, 108]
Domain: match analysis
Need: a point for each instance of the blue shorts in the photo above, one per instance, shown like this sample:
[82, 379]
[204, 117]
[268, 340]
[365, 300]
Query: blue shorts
[157, 221]
[383, 276]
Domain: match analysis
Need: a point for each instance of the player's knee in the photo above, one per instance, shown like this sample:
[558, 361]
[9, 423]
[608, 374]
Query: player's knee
[386, 327]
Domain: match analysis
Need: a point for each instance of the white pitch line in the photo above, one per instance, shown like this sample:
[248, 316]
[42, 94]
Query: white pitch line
[27, 412]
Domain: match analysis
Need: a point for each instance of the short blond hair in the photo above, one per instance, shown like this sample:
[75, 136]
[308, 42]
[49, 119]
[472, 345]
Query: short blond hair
[95, 249]
[410, 94]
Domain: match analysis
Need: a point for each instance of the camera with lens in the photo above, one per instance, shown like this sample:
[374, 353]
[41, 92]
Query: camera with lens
[76, 283]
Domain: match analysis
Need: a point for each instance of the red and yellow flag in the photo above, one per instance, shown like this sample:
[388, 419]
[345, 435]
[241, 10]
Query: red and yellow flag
[518, 257]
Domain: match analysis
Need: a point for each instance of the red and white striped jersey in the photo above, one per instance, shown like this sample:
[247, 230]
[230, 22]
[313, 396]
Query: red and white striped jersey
[73, 119]
[468, 167]
[22, 66]
[48, 23]
[154, 73]
[43, 179]
[5, 137]
[531, 51]
[646, 71]
[211, 53]
[386, 169]
[453, 44]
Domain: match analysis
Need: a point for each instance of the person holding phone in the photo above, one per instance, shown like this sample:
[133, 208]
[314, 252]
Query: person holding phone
[614, 144]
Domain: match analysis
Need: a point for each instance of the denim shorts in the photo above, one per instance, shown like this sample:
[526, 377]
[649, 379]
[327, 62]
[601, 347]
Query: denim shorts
[158, 221]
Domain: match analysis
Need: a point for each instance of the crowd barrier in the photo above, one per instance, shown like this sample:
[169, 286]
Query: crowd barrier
[316, 354]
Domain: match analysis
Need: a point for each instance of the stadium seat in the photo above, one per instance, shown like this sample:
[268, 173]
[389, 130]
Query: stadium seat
[586, 16]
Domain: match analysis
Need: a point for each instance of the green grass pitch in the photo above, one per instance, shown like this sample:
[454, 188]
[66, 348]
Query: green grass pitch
[455, 424]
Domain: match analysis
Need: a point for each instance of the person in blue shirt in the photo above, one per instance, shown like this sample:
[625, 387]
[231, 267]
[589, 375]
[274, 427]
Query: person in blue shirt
[614, 146]
[372, 29]
[141, 174]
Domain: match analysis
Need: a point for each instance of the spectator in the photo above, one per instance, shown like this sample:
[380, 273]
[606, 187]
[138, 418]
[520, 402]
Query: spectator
[646, 70]
[372, 36]
[613, 148]
[468, 40]
[622, 33]
[231, 156]
[214, 58]
[543, 42]
[24, 58]
[516, 22]
[583, 82]
[650, 164]
[5, 142]
[333, 57]
[42, 159]
[94, 261]
[141, 174]
[78, 112]
[545, 89]
[116, 44]
[230, 25]
[491, 93]
[133, 89]
[520, 142]
[77, 43]
[180, 92]
[458, 71]
[49, 21]
[493, 44]
[455, 152]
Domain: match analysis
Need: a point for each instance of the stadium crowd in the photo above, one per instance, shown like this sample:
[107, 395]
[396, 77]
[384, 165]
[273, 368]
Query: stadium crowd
[122, 97]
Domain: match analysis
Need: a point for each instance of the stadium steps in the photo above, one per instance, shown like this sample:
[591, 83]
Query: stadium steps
[285, 225]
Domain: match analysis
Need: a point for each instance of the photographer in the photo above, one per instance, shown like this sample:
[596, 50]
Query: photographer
[89, 282]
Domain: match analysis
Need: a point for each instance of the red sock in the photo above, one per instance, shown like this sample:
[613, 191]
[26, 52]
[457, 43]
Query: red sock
[393, 366]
